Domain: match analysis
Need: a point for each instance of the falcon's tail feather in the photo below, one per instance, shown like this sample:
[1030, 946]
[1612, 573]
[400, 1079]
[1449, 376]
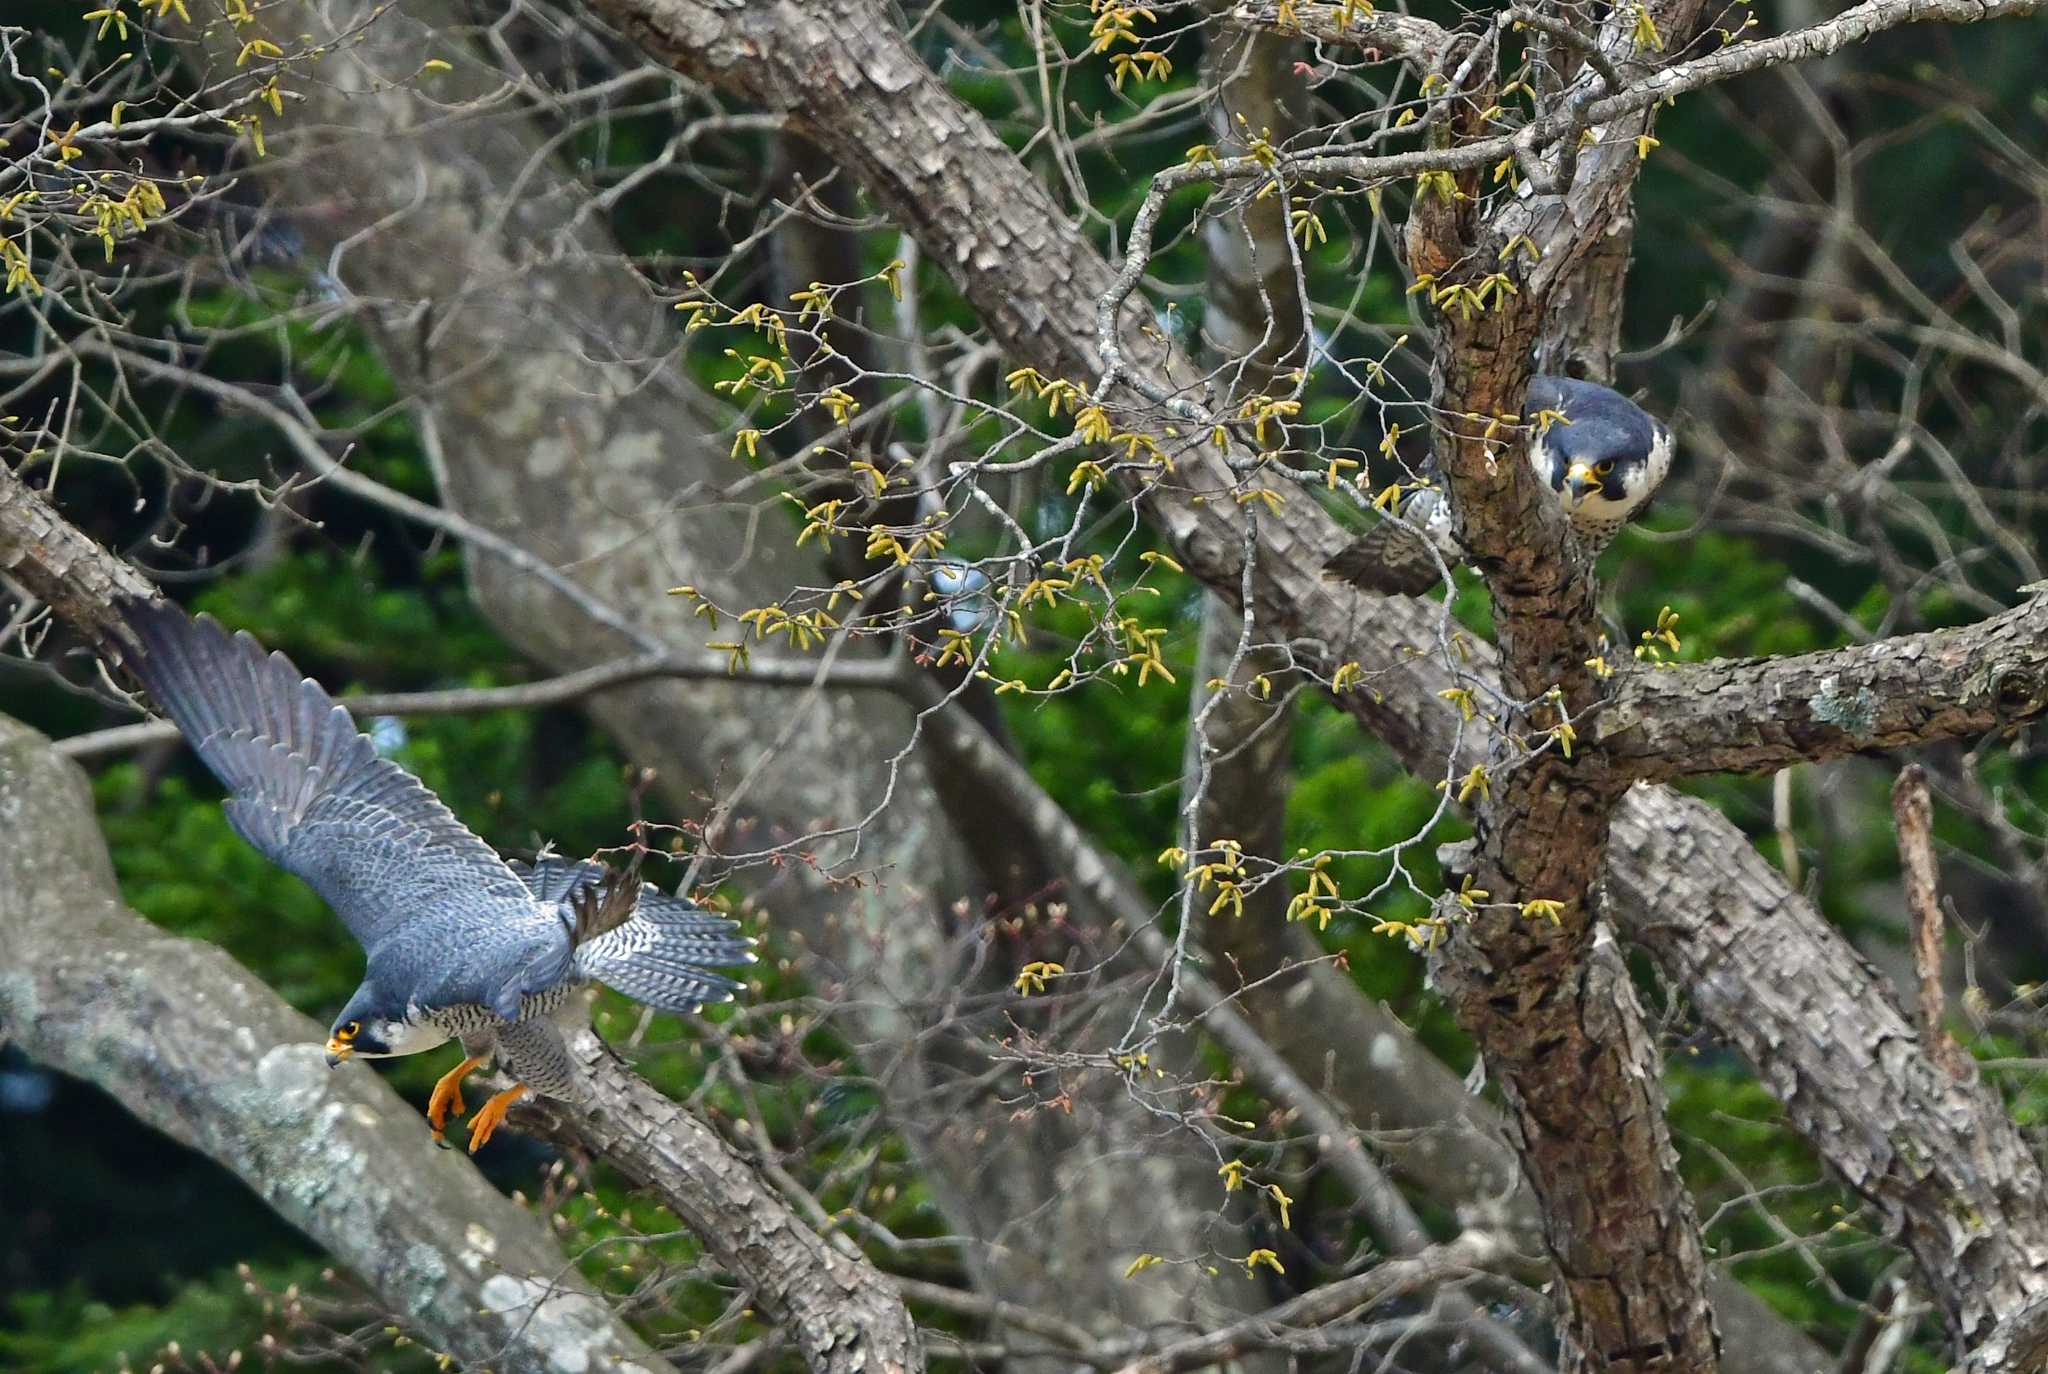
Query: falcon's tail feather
[670, 987]
[594, 886]
[653, 963]
[662, 953]
[604, 906]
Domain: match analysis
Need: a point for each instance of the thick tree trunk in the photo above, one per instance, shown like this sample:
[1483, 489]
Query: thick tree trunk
[1239, 740]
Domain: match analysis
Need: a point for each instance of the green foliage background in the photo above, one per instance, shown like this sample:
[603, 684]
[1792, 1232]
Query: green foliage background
[364, 603]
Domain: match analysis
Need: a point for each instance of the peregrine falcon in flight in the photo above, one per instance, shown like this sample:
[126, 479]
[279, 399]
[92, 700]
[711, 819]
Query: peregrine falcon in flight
[1603, 460]
[461, 943]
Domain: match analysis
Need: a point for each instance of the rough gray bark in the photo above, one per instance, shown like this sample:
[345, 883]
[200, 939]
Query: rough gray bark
[1938, 1157]
[199, 1049]
[1221, 562]
[2019, 1346]
[1750, 715]
[56, 564]
[556, 431]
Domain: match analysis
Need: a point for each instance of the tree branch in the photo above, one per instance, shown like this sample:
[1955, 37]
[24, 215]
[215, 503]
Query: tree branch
[1940, 1160]
[1858, 24]
[877, 674]
[1383, 36]
[1913, 820]
[60, 566]
[1319, 1306]
[838, 1310]
[1751, 715]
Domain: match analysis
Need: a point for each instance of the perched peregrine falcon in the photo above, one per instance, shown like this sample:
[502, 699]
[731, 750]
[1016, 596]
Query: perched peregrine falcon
[460, 942]
[1603, 460]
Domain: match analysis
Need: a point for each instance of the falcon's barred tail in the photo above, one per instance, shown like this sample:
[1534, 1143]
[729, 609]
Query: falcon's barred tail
[665, 959]
[662, 954]
[1386, 559]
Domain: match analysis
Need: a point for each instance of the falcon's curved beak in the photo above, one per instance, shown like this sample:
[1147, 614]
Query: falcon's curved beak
[1580, 482]
[336, 1052]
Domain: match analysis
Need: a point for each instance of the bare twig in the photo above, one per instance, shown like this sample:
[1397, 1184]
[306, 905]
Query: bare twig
[1913, 816]
[1329, 1303]
[878, 674]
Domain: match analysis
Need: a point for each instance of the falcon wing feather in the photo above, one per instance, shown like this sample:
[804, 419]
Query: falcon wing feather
[311, 792]
[1386, 559]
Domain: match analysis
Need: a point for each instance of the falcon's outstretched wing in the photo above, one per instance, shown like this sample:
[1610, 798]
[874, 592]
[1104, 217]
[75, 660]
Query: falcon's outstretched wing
[1386, 559]
[1396, 561]
[310, 791]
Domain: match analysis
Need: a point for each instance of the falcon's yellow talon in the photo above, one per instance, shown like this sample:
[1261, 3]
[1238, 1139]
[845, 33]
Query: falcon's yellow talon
[491, 1115]
[447, 1098]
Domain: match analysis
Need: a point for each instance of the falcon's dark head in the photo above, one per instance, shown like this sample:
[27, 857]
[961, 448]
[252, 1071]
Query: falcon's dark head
[1604, 457]
[371, 1026]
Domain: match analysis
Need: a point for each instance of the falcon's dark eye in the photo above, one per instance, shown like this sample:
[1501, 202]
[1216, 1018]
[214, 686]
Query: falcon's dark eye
[1602, 469]
[351, 1030]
